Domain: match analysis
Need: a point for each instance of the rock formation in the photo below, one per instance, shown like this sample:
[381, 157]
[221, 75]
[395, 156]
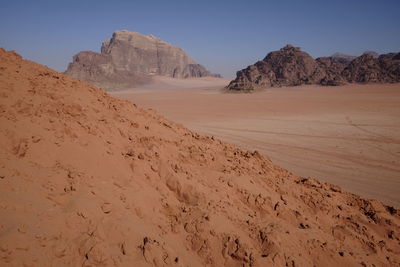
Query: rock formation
[332, 68]
[369, 68]
[129, 59]
[290, 67]
[90, 180]
[287, 67]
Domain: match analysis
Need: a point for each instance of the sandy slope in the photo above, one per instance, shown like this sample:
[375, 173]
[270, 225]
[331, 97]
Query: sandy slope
[89, 180]
[346, 135]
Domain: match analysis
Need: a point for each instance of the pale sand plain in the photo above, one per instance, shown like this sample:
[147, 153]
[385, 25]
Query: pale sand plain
[347, 135]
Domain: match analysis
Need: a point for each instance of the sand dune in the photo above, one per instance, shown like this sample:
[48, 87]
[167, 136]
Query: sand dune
[90, 180]
[346, 135]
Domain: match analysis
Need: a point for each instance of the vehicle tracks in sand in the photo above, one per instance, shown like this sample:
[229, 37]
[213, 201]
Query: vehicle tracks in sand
[227, 133]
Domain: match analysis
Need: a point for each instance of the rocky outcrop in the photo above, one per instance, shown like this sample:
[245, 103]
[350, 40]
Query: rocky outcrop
[332, 68]
[390, 65]
[129, 59]
[290, 67]
[287, 67]
[369, 68]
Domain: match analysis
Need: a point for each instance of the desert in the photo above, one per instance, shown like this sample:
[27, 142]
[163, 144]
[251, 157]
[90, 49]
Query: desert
[346, 135]
[199, 133]
[123, 185]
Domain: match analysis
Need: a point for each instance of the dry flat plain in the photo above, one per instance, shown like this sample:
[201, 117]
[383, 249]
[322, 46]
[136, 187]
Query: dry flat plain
[347, 135]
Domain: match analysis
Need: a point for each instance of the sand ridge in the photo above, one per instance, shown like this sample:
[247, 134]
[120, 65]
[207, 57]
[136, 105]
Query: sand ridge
[347, 135]
[90, 180]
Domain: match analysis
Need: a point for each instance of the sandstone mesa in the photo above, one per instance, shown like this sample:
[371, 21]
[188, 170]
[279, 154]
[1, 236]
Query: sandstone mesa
[130, 59]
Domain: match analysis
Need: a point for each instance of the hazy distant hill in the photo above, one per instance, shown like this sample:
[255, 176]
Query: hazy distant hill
[343, 56]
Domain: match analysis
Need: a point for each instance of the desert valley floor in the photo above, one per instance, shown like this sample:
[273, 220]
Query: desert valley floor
[347, 135]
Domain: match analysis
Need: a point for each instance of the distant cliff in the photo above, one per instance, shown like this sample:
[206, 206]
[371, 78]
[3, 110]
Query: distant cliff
[129, 59]
[290, 66]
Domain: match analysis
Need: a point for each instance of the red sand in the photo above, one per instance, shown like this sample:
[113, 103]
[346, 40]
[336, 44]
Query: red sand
[89, 180]
[347, 135]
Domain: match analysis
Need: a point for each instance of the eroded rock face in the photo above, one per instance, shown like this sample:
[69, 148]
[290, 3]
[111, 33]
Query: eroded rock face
[130, 58]
[101, 71]
[287, 67]
[332, 68]
[390, 63]
[369, 68]
[290, 67]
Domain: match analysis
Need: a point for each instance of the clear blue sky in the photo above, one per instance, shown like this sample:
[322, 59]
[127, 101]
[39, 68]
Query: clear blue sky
[224, 36]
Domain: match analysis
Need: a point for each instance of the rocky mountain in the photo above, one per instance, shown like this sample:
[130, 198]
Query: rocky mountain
[129, 59]
[290, 67]
[90, 180]
[287, 67]
[332, 68]
[369, 68]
